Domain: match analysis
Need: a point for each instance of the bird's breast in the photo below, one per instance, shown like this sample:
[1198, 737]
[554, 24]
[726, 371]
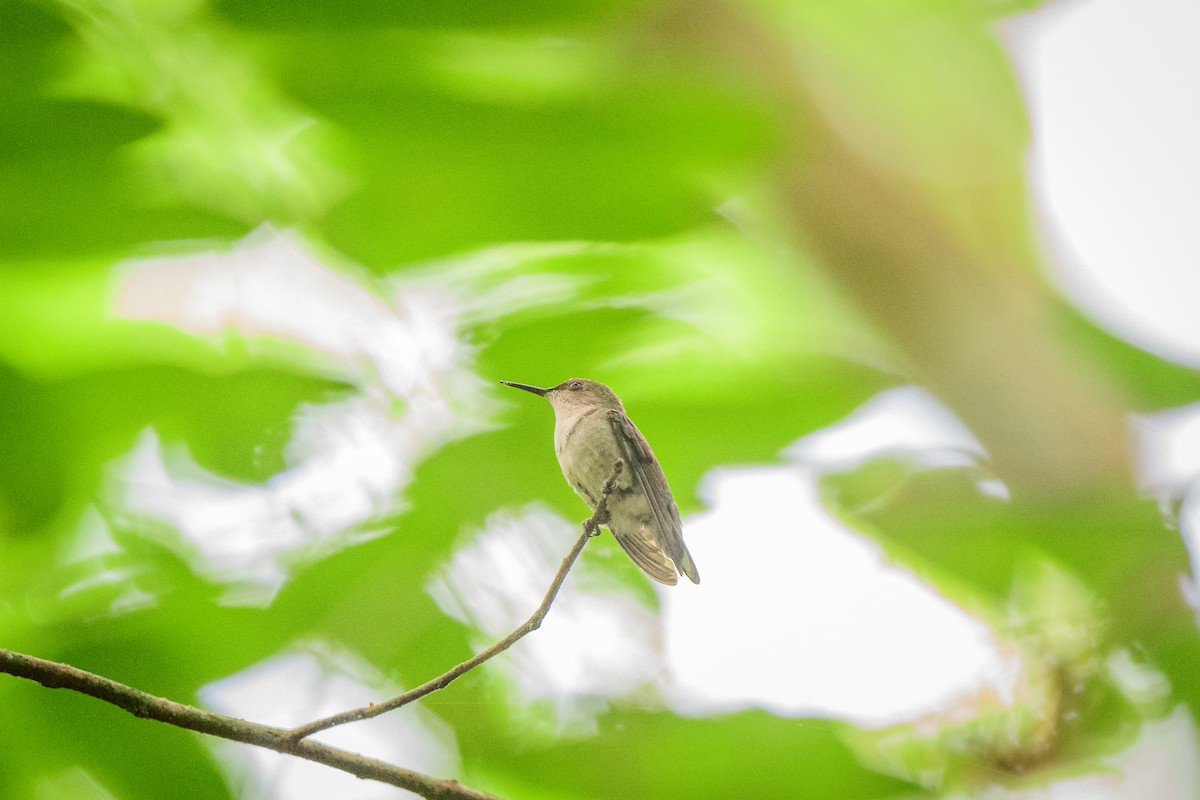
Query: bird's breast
[586, 451]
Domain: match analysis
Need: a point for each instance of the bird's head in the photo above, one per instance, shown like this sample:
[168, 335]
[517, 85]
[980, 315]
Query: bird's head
[575, 393]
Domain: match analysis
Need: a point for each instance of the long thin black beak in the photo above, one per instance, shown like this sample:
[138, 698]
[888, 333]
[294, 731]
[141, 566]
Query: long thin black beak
[526, 387]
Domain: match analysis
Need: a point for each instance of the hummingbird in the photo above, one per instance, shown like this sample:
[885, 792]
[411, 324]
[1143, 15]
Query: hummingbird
[591, 434]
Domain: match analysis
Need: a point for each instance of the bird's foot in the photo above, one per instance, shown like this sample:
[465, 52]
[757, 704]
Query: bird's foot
[592, 524]
[611, 484]
[600, 516]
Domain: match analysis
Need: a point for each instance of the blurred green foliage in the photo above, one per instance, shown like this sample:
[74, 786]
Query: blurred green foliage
[408, 138]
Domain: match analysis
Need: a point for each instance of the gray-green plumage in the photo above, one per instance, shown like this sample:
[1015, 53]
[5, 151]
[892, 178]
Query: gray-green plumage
[591, 433]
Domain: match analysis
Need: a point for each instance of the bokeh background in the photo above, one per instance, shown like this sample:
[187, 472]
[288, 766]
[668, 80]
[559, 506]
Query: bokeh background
[902, 293]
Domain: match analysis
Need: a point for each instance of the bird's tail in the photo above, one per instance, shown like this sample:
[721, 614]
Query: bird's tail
[688, 567]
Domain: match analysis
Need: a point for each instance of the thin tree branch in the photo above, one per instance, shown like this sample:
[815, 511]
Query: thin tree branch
[591, 527]
[54, 675]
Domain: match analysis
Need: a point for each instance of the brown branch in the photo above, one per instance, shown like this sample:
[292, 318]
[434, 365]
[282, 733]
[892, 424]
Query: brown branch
[54, 675]
[591, 527]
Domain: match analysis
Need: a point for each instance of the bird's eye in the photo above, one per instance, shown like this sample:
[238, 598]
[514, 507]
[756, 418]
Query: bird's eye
[576, 384]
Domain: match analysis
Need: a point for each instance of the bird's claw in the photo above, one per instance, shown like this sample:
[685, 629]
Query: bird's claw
[600, 516]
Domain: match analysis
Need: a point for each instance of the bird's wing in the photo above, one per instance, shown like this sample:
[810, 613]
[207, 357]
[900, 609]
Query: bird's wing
[648, 477]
